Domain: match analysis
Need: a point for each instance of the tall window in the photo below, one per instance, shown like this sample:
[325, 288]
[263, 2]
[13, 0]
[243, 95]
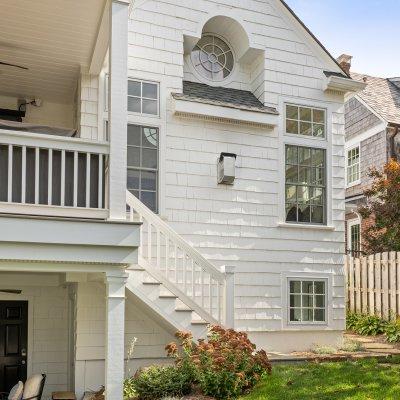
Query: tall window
[353, 165]
[354, 237]
[307, 300]
[143, 164]
[307, 121]
[305, 185]
[143, 97]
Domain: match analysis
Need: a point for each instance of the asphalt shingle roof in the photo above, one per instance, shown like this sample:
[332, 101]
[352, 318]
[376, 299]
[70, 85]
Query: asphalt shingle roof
[222, 96]
[382, 95]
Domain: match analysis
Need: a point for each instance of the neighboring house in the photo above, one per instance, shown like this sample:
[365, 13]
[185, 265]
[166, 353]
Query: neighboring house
[372, 125]
[204, 183]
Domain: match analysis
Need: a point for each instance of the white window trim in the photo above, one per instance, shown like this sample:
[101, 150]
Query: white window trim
[350, 223]
[291, 325]
[132, 78]
[357, 181]
[307, 141]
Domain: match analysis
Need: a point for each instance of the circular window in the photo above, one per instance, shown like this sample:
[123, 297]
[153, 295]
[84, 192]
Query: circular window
[212, 58]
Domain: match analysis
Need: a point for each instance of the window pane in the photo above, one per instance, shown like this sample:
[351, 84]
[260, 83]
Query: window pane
[291, 196]
[307, 315]
[304, 156]
[319, 116]
[150, 137]
[149, 180]
[319, 315]
[134, 88]
[150, 90]
[317, 196]
[133, 156]
[291, 212]
[307, 286]
[303, 194]
[318, 157]
[308, 300]
[149, 199]
[292, 112]
[291, 155]
[149, 158]
[292, 126]
[319, 130]
[295, 314]
[133, 179]
[303, 213]
[305, 114]
[295, 300]
[292, 173]
[134, 104]
[317, 215]
[320, 301]
[295, 286]
[320, 287]
[150, 107]
[135, 193]
[134, 135]
[306, 128]
[305, 175]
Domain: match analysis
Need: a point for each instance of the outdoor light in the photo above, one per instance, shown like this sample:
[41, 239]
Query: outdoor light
[226, 168]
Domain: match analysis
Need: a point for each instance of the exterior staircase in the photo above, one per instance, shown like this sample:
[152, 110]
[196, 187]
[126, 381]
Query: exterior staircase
[174, 280]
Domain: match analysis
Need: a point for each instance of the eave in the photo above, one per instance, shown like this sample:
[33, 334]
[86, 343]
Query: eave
[343, 85]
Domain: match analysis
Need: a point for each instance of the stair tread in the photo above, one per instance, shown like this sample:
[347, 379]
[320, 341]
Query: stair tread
[183, 309]
[199, 322]
[151, 283]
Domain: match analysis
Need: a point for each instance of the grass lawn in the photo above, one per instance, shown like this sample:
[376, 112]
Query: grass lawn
[364, 380]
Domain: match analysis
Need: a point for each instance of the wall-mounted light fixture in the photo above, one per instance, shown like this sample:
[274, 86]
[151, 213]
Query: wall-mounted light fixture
[226, 168]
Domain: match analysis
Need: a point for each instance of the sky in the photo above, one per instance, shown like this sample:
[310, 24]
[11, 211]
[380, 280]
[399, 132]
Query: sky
[369, 30]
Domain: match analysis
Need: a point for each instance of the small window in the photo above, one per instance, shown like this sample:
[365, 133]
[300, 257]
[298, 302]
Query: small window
[142, 180]
[307, 301]
[353, 165]
[354, 237]
[305, 190]
[305, 121]
[143, 97]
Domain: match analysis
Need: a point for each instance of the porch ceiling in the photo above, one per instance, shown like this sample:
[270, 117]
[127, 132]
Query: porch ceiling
[53, 38]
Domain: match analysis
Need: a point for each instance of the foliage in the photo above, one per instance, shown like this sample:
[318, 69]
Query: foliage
[158, 381]
[392, 331]
[383, 206]
[129, 389]
[320, 349]
[359, 380]
[225, 365]
[366, 325]
[352, 346]
[352, 320]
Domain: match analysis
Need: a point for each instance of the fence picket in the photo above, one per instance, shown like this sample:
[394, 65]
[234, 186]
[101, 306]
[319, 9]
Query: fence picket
[392, 284]
[350, 279]
[378, 287]
[385, 285]
[371, 285]
[364, 285]
[358, 284]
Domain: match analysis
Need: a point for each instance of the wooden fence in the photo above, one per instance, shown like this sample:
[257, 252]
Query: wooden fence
[373, 284]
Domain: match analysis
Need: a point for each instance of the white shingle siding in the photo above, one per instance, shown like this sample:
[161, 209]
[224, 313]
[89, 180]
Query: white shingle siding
[237, 225]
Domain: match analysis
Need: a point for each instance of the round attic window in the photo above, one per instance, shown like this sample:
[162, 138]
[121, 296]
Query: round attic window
[212, 58]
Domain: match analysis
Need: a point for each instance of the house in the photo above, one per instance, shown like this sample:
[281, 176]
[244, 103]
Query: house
[372, 120]
[164, 165]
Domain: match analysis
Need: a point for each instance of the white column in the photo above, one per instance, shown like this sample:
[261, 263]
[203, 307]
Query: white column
[115, 334]
[118, 82]
[229, 296]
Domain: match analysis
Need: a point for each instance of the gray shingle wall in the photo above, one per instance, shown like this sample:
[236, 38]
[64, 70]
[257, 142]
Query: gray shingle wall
[373, 152]
[358, 118]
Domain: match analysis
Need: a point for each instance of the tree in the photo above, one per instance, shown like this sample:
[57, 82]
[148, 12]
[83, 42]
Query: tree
[382, 208]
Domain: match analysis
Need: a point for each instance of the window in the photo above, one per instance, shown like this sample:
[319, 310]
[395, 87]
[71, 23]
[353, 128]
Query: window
[143, 97]
[353, 165]
[354, 237]
[305, 121]
[212, 58]
[305, 185]
[307, 300]
[142, 179]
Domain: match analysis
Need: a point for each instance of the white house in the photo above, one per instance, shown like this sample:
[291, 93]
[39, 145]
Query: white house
[164, 165]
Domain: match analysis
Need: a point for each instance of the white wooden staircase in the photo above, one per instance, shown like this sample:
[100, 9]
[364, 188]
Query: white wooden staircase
[174, 280]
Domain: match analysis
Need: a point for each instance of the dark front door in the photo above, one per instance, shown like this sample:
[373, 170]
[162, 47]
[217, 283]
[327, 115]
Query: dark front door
[13, 343]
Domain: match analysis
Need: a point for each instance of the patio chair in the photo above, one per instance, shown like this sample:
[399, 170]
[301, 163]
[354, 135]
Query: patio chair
[32, 390]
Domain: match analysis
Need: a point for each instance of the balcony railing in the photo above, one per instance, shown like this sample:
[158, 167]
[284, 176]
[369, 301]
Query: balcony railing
[52, 175]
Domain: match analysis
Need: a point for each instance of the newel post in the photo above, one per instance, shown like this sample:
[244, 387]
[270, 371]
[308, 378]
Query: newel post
[229, 296]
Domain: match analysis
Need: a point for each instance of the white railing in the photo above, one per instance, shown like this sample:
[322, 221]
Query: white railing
[51, 175]
[373, 284]
[181, 268]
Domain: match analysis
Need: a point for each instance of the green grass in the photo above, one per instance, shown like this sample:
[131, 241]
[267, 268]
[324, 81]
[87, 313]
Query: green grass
[366, 380]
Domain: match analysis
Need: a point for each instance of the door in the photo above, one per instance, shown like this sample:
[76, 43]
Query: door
[13, 343]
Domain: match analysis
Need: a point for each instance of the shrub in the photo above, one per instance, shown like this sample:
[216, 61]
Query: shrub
[352, 320]
[129, 389]
[321, 349]
[366, 325]
[352, 346]
[225, 365]
[392, 331]
[158, 381]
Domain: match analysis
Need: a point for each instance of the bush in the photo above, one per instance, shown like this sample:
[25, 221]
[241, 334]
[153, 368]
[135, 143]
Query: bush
[225, 365]
[392, 331]
[158, 381]
[129, 389]
[366, 325]
[352, 320]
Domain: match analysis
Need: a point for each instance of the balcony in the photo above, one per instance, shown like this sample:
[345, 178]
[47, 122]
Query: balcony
[49, 175]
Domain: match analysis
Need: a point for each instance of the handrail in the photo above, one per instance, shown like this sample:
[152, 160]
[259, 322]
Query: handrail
[135, 204]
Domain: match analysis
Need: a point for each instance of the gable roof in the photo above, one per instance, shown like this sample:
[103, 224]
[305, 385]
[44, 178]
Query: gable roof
[222, 96]
[382, 95]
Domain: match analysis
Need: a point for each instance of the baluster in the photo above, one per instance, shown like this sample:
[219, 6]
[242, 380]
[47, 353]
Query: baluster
[100, 193]
[184, 273]
[158, 244]
[23, 180]
[149, 241]
[88, 156]
[37, 175]
[202, 286]
[210, 294]
[10, 172]
[50, 178]
[75, 179]
[62, 177]
[166, 256]
[176, 263]
[193, 279]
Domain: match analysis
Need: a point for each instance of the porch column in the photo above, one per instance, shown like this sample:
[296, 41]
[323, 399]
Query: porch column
[118, 83]
[115, 334]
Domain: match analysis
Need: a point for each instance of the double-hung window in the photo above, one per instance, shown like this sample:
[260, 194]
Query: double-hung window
[353, 166]
[354, 237]
[307, 301]
[142, 179]
[143, 97]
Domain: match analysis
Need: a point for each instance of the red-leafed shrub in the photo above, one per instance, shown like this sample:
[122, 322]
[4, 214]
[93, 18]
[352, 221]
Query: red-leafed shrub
[225, 365]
